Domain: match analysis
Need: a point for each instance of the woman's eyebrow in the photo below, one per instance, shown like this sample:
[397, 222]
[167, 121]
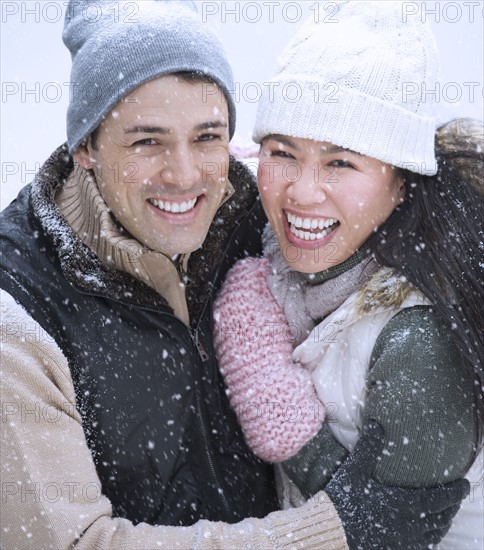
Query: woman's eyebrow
[332, 149]
[285, 140]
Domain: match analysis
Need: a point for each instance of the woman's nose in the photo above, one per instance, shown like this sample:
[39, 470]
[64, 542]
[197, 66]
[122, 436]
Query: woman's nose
[306, 187]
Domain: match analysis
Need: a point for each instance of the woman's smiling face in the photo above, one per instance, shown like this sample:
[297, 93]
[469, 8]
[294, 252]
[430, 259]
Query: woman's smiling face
[323, 201]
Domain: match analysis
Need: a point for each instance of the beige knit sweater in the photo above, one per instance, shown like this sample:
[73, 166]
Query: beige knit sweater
[51, 494]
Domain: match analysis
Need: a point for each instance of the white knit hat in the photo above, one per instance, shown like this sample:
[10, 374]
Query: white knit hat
[346, 79]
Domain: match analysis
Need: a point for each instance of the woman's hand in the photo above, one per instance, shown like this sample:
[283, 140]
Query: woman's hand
[273, 397]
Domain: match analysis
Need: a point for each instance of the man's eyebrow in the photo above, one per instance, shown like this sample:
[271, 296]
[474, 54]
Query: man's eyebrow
[147, 130]
[165, 131]
[211, 124]
[285, 140]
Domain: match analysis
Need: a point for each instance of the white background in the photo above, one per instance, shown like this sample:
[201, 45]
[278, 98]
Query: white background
[35, 65]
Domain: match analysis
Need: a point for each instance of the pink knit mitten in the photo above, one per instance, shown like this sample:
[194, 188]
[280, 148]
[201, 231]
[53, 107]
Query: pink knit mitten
[273, 397]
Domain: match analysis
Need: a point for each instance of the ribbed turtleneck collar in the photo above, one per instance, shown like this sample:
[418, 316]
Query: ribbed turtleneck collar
[336, 270]
[81, 204]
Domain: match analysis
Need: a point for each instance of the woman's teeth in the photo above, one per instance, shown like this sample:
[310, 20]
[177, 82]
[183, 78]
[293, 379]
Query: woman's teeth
[176, 207]
[297, 226]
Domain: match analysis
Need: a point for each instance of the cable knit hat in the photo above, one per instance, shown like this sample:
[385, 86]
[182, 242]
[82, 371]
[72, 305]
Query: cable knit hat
[350, 79]
[117, 46]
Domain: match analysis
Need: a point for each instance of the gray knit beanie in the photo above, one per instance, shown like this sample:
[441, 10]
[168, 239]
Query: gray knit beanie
[117, 46]
[345, 78]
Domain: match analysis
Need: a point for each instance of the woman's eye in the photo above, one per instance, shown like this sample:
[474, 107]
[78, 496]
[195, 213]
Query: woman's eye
[340, 164]
[280, 153]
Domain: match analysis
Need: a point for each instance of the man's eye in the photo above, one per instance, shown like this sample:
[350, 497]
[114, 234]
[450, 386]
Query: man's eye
[208, 137]
[146, 141]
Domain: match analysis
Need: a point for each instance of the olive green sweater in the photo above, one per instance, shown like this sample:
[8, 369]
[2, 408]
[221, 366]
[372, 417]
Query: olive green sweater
[427, 406]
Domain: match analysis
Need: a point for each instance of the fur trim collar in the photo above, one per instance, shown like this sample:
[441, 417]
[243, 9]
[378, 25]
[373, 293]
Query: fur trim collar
[387, 288]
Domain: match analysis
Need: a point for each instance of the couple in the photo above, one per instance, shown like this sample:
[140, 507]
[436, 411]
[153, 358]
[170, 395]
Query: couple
[118, 432]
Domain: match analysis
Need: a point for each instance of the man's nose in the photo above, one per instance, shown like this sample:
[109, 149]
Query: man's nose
[181, 168]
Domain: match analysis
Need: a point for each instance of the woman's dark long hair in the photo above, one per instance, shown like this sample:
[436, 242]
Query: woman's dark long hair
[435, 238]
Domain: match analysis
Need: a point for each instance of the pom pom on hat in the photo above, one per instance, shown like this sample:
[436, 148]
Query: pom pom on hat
[347, 80]
[117, 47]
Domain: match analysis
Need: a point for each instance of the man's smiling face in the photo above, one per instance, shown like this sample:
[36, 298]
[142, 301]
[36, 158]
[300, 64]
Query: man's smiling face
[161, 162]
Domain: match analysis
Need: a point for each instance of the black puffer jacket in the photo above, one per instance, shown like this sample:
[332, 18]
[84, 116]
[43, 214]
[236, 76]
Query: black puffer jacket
[167, 446]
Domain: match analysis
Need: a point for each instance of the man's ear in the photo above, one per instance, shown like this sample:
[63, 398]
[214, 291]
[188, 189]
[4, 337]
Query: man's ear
[82, 155]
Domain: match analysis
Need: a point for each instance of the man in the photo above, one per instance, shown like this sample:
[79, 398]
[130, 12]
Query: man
[117, 432]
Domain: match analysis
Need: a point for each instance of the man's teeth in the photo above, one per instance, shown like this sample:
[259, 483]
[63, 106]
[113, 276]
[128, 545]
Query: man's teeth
[297, 224]
[176, 207]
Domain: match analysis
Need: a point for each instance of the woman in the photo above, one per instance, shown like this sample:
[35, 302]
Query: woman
[369, 296]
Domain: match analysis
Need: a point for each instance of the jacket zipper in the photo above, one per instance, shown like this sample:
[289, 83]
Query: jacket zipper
[201, 350]
[203, 426]
[215, 276]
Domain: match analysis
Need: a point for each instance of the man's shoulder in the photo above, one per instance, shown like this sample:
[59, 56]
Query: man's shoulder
[244, 204]
[243, 169]
[40, 192]
[19, 232]
[244, 182]
[17, 208]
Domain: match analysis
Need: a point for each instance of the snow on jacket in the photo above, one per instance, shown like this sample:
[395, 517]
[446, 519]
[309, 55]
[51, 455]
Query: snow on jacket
[115, 420]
